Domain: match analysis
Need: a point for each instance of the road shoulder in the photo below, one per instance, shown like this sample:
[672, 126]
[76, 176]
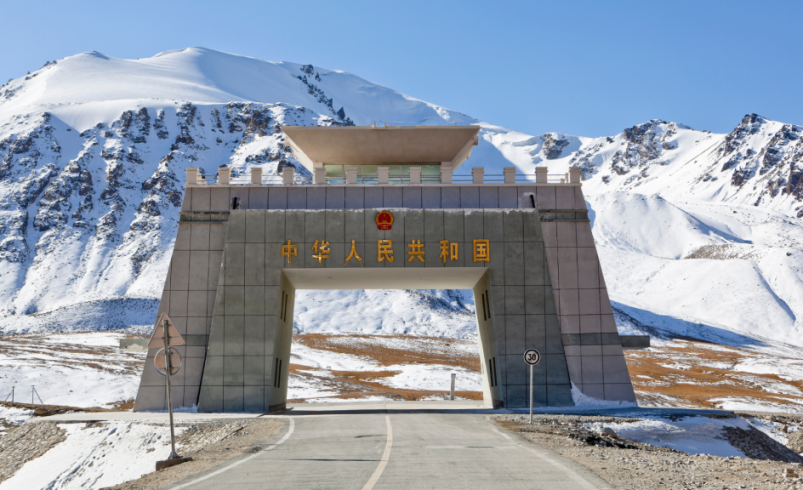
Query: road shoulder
[246, 437]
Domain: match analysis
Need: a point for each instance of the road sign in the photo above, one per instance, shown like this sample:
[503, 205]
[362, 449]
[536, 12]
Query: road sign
[531, 357]
[165, 335]
[161, 363]
[157, 339]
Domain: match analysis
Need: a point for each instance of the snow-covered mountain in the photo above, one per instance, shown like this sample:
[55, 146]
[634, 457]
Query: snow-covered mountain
[696, 231]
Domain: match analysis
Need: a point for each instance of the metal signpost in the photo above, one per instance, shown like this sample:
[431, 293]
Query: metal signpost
[168, 362]
[532, 357]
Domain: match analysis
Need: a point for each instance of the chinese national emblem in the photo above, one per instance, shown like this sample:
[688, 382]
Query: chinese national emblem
[384, 220]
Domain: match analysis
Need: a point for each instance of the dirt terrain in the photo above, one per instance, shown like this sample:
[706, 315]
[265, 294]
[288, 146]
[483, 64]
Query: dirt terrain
[630, 465]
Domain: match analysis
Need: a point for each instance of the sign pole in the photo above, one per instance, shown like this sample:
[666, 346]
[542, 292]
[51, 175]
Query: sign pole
[162, 336]
[531, 393]
[532, 357]
[173, 454]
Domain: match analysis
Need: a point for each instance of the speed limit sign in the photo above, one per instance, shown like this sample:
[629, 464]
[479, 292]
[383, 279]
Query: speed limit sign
[532, 357]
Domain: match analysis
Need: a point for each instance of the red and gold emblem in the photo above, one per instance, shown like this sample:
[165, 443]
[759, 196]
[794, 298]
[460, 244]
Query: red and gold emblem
[384, 220]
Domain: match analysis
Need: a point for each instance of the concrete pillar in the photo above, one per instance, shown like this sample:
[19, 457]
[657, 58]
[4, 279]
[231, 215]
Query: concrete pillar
[415, 175]
[319, 176]
[192, 176]
[492, 392]
[256, 176]
[510, 175]
[446, 175]
[574, 175]
[282, 336]
[541, 175]
[383, 174]
[223, 176]
[351, 175]
[478, 175]
[288, 175]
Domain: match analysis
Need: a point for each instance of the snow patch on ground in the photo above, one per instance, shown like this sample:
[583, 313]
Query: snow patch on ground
[13, 416]
[584, 401]
[692, 435]
[96, 456]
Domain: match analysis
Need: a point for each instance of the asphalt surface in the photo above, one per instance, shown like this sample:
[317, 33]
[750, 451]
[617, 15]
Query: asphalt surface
[382, 451]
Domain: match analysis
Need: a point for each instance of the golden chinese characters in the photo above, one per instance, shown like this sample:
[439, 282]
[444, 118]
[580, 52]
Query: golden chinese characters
[482, 251]
[448, 250]
[321, 252]
[384, 251]
[289, 250]
[353, 252]
[416, 250]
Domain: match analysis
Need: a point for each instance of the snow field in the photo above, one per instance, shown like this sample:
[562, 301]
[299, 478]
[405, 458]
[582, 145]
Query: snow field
[80, 370]
[96, 456]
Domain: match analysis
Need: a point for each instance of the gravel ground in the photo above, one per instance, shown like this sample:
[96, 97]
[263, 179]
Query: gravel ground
[634, 465]
[208, 444]
[24, 443]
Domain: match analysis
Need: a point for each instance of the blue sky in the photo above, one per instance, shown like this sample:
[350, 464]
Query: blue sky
[586, 68]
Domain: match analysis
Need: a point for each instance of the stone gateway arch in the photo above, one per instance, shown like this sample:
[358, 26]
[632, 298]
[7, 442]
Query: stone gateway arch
[382, 211]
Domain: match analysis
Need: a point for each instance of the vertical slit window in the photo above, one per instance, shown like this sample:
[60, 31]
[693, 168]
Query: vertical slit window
[487, 298]
[493, 364]
[490, 374]
[279, 377]
[275, 372]
[484, 312]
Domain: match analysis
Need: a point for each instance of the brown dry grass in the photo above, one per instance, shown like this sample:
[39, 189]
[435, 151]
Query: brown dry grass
[388, 356]
[359, 384]
[697, 383]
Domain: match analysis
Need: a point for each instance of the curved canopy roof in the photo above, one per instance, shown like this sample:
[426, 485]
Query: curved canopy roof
[368, 145]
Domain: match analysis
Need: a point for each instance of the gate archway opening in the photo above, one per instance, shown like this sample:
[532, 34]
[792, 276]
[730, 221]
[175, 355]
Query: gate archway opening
[477, 372]
[384, 345]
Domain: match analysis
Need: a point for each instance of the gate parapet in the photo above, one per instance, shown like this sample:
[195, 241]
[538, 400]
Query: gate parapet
[289, 177]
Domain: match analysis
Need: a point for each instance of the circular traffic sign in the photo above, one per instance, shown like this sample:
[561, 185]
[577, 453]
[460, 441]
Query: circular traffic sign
[532, 357]
[161, 363]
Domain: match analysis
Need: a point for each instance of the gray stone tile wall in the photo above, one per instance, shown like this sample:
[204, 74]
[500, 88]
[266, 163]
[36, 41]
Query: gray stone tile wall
[188, 299]
[253, 256]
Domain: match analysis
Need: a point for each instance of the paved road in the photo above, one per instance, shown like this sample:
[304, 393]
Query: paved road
[378, 451]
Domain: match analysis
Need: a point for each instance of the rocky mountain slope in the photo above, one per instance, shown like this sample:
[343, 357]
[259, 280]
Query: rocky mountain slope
[699, 233]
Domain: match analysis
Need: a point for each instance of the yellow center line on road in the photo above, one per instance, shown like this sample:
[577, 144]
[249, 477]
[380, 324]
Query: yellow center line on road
[384, 461]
